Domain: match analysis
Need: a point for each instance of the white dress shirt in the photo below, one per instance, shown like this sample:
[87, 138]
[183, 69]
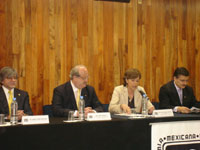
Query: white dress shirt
[180, 94]
[6, 92]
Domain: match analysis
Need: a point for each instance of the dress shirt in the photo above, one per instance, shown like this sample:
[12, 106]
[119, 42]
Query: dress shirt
[180, 94]
[6, 93]
[75, 90]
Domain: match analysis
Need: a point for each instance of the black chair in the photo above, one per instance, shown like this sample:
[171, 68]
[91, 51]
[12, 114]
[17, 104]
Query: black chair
[156, 105]
[105, 107]
[47, 110]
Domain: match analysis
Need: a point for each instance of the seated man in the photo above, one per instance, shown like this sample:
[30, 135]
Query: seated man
[8, 81]
[176, 94]
[65, 96]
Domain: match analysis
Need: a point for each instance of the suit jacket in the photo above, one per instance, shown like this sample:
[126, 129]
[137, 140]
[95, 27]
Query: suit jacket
[169, 98]
[64, 100]
[22, 100]
[120, 96]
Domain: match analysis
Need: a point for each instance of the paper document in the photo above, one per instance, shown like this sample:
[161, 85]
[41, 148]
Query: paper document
[195, 110]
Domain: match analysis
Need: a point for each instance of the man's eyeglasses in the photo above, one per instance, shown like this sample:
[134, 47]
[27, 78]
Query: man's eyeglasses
[11, 78]
[83, 78]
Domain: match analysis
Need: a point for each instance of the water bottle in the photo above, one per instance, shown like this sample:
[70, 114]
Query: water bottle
[14, 108]
[81, 108]
[144, 104]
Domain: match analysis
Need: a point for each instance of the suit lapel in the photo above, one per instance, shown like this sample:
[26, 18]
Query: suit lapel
[3, 101]
[184, 96]
[175, 93]
[84, 93]
[17, 94]
[137, 95]
[71, 96]
[125, 95]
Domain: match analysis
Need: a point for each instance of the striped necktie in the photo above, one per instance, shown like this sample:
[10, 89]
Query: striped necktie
[10, 99]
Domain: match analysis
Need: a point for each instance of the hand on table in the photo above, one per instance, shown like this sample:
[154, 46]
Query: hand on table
[183, 109]
[88, 110]
[150, 111]
[125, 108]
[20, 113]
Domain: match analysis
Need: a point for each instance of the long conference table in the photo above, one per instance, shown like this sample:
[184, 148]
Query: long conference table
[120, 134]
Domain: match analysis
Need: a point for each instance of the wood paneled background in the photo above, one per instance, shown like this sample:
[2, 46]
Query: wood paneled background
[43, 39]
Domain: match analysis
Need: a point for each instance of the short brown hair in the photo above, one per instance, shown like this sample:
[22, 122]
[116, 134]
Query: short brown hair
[7, 72]
[131, 74]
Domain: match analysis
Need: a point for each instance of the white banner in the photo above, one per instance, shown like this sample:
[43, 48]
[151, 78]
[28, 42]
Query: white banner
[179, 135]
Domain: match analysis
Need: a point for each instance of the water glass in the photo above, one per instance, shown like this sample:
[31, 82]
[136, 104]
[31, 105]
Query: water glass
[2, 118]
[133, 110]
[71, 116]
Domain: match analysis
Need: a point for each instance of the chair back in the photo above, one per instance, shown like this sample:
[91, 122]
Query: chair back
[47, 110]
[105, 107]
[156, 105]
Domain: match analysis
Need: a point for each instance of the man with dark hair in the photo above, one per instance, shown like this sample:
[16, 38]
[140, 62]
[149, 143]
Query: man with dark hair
[8, 81]
[67, 95]
[176, 94]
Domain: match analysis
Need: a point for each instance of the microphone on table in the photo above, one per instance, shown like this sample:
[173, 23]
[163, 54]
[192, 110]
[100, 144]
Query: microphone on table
[144, 95]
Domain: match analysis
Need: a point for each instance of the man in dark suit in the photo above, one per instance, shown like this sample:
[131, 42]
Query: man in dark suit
[176, 94]
[8, 81]
[65, 96]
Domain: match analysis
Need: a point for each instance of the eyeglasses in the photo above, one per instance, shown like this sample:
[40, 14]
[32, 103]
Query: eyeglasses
[11, 78]
[84, 78]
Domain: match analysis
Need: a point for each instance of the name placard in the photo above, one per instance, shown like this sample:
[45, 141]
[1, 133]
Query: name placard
[98, 116]
[38, 119]
[163, 113]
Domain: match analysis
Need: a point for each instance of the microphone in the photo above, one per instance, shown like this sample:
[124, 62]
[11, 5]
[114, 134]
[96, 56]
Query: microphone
[144, 95]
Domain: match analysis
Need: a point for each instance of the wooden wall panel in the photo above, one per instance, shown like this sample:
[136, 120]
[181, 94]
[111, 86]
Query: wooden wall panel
[44, 39]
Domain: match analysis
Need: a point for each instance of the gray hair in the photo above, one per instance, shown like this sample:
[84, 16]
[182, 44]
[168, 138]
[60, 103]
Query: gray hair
[7, 72]
[75, 71]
